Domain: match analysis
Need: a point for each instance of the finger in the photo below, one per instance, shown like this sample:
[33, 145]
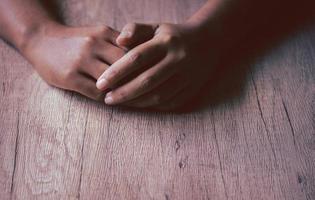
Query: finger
[95, 69]
[142, 84]
[134, 34]
[86, 86]
[160, 95]
[146, 54]
[111, 35]
[109, 53]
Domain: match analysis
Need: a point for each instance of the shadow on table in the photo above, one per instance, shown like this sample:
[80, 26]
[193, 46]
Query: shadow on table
[267, 32]
[267, 27]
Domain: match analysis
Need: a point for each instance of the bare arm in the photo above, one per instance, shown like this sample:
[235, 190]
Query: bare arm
[182, 56]
[20, 20]
[71, 58]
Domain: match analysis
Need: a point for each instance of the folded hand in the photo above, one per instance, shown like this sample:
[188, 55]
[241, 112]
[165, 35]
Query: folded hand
[168, 65]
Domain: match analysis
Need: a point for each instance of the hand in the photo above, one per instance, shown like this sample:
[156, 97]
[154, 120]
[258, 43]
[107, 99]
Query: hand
[74, 58]
[173, 67]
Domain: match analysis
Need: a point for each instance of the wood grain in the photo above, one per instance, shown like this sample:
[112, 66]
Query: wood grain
[260, 145]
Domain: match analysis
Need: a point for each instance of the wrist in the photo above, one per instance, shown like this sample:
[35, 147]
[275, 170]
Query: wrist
[30, 34]
[212, 31]
[195, 34]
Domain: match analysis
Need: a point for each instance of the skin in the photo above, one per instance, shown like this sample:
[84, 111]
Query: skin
[165, 66]
[174, 75]
[71, 58]
[173, 59]
[170, 63]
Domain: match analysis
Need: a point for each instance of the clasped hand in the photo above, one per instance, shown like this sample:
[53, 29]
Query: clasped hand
[159, 66]
[164, 68]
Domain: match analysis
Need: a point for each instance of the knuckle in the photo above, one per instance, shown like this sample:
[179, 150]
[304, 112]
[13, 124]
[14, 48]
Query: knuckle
[146, 81]
[134, 57]
[181, 54]
[130, 26]
[121, 95]
[112, 74]
[171, 39]
[89, 41]
[70, 72]
[104, 29]
[157, 99]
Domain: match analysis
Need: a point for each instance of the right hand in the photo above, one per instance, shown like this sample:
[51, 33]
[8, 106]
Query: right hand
[73, 58]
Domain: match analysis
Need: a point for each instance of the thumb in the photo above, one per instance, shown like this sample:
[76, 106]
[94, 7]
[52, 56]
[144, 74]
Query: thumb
[134, 34]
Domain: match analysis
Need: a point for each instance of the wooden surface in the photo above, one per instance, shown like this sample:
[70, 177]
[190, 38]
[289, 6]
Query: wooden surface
[258, 145]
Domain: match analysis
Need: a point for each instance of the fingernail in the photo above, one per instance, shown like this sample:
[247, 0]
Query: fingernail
[109, 99]
[101, 83]
[125, 34]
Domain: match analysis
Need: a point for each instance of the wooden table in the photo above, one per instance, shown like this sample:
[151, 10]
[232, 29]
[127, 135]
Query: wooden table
[257, 145]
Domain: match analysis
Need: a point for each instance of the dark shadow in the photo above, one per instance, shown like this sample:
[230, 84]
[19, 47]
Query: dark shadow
[272, 24]
[261, 25]
[265, 28]
[54, 9]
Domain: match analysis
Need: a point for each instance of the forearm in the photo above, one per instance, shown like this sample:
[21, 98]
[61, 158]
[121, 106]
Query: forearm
[225, 23]
[21, 20]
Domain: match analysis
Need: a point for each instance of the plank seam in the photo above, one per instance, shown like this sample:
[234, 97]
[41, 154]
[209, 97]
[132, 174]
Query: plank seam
[220, 161]
[263, 119]
[82, 156]
[290, 122]
[15, 155]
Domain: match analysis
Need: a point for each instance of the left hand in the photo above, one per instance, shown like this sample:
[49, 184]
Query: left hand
[173, 67]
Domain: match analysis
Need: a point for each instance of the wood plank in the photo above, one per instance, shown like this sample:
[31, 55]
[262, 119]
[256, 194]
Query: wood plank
[269, 172]
[12, 66]
[258, 145]
[52, 131]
